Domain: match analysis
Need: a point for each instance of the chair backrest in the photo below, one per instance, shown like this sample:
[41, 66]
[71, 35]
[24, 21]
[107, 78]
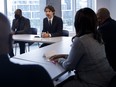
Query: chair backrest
[65, 33]
[32, 31]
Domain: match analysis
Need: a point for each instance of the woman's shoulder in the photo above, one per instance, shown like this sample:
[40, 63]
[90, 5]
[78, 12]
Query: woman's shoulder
[83, 37]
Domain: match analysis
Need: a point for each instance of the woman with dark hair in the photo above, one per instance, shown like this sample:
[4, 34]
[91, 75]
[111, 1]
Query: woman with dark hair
[87, 56]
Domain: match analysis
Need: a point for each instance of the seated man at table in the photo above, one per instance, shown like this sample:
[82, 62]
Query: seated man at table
[14, 74]
[52, 25]
[20, 25]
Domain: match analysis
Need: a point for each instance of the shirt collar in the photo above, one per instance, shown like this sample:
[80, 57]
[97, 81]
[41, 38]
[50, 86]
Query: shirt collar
[50, 19]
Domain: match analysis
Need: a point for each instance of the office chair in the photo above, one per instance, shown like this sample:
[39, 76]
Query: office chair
[28, 44]
[34, 32]
[65, 33]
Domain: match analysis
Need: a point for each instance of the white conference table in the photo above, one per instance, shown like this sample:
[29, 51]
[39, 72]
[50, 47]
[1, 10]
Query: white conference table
[62, 46]
[36, 38]
[54, 70]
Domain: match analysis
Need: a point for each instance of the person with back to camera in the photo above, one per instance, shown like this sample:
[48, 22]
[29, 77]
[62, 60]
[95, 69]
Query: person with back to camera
[107, 28]
[87, 56]
[15, 75]
[52, 25]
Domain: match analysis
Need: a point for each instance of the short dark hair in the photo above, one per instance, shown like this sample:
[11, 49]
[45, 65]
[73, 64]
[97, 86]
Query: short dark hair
[50, 7]
[19, 10]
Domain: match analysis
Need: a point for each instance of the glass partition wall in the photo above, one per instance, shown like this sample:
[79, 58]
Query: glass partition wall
[34, 10]
[69, 8]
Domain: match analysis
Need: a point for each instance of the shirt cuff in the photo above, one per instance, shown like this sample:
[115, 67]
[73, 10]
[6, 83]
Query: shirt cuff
[49, 35]
[61, 60]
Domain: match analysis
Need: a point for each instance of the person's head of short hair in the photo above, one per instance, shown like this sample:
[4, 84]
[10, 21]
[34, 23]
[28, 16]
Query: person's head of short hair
[85, 21]
[51, 8]
[4, 34]
[103, 14]
[18, 13]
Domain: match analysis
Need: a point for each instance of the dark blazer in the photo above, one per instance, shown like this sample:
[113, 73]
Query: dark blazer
[108, 31]
[15, 75]
[21, 26]
[56, 27]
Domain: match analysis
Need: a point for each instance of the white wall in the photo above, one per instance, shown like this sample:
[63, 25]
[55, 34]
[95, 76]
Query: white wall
[2, 6]
[113, 8]
[103, 3]
[109, 4]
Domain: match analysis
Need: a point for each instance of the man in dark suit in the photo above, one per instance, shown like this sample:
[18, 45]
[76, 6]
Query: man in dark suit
[15, 75]
[52, 25]
[107, 28]
[20, 25]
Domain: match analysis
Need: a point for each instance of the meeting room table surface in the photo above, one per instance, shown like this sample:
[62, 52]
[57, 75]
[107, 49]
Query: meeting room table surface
[61, 45]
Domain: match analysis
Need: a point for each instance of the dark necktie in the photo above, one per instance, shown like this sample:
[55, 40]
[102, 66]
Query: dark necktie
[50, 24]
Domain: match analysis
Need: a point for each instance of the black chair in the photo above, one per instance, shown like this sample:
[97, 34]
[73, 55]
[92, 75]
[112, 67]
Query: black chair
[34, 32]
[30, 31]
[65, 33]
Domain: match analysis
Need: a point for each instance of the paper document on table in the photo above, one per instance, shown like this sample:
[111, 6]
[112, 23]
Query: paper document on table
[49, 54]
[54, 54]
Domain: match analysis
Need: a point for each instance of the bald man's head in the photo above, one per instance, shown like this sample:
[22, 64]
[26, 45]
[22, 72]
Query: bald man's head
[102, 15]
